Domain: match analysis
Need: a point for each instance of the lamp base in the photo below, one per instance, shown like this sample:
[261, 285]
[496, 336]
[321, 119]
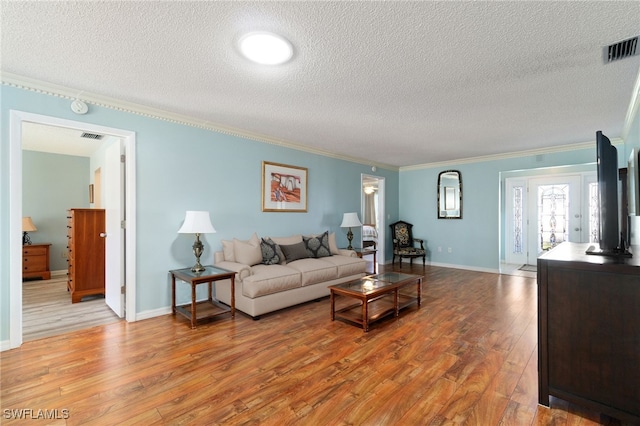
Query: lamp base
[197, 268]
[26, 239]
[349, 237]
[198, 248]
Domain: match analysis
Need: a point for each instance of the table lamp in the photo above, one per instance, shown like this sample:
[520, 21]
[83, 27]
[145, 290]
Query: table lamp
[197, 222]
[350, 220]
[27, 226]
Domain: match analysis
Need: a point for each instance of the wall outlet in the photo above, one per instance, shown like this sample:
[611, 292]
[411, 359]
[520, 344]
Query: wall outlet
[65, 254]
[450, 250]
[440, 249]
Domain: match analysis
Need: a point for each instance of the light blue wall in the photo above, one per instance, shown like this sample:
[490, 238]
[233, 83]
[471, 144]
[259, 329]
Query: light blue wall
[633, 138]
[51, 184]
[474, 239]
[183, 168]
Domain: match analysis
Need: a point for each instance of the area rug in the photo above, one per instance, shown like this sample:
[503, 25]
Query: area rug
[528, 268]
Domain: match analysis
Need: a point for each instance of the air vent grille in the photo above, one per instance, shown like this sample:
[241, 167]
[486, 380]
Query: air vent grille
[621, 50]
[91, 136]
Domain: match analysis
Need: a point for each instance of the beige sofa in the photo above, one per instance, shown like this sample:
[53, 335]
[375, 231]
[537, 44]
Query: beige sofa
[265, 283]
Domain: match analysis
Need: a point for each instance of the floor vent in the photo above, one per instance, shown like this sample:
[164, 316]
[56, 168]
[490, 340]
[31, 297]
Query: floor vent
[91, 136]
[621, 50]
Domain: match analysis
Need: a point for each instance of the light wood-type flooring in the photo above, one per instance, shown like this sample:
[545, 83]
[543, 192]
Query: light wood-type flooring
[47, 310]
[467, 356]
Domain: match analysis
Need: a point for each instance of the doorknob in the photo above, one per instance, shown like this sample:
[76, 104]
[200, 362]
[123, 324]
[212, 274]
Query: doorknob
[103, 234]
[577, 229]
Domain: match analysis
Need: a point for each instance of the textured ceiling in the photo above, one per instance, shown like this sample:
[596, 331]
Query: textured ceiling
[395, 83]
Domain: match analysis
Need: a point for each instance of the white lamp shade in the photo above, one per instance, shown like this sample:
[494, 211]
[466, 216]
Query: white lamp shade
[350, 220]
[196, 222]
[28, 225]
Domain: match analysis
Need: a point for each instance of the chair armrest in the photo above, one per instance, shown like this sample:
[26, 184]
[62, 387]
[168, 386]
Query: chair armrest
[421, 241]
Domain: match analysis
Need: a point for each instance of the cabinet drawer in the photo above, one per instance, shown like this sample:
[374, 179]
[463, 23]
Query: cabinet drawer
[34, 263]
[34, 251]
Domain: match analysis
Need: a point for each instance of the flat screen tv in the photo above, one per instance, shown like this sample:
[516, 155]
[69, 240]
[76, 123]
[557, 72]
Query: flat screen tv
[610, 241]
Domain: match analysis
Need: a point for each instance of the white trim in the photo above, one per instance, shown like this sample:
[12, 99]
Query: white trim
[15, 220]
[16, 118]
[38, 86]
[154, 313]
[382, 214]
[417, 261]
[532, 152]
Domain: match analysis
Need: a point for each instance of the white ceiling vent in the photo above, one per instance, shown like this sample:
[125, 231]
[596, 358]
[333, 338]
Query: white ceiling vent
[622, 49]
[91, 136]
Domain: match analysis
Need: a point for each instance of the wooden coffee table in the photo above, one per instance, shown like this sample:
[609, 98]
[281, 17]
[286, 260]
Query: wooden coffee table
[378, 296]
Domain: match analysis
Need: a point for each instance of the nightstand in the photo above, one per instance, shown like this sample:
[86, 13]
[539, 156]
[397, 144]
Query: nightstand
[35, 261]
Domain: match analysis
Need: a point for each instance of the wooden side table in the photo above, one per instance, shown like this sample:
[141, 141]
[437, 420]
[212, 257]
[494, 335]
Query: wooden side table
[365, 252]
[211, 307]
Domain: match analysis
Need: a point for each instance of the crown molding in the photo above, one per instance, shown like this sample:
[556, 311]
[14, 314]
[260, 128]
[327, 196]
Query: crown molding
[508, 155]
[26, 83]
[51, 89]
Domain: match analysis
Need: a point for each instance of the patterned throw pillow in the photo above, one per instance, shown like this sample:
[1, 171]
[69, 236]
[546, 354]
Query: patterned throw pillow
[318, 246]
[271, 253]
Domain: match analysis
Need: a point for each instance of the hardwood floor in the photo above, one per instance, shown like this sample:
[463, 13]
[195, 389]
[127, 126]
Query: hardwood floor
[467, 356]
[47, 310]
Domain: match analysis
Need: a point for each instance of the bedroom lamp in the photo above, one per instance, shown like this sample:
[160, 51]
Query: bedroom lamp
[350, 220]
[27, 226]
[197, 222]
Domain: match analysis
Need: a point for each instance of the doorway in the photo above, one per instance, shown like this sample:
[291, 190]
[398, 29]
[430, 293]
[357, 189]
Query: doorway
[373, 215]
[17, 119]
[542, 212]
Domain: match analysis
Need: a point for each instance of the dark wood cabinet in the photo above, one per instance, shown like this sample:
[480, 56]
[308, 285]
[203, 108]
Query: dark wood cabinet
[589, 330]
[86, 262]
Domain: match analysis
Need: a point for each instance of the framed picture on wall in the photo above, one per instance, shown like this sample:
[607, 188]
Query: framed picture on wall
[284, 188]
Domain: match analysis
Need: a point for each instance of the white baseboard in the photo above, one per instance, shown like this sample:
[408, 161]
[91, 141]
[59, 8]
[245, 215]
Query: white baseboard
[5, 345]
[153, 313]
[451, 265]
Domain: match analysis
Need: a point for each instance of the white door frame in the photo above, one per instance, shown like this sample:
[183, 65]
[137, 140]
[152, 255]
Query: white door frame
[528, 181]
[574, 232]
[380, 255]
[16, 118]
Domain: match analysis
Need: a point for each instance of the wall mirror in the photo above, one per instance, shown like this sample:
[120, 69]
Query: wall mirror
[450, 195]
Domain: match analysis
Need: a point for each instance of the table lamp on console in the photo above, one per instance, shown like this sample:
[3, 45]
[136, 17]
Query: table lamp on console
[350, 220]
[197, 222]
[27, 226]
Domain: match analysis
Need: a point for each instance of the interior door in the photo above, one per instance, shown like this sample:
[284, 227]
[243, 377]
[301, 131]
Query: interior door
[114, 208]
[555, 214]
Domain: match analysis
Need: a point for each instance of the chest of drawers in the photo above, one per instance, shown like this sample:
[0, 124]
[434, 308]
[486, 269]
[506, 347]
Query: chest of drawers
[35, 261]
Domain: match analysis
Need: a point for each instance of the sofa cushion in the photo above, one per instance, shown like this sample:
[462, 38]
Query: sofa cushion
[347, 265]
[314, 270]
[284, 241]
[271, 252]
[247, 252]
[332, 244]
[268, 279]
[227, 249]
[318, 246]
[294, 252]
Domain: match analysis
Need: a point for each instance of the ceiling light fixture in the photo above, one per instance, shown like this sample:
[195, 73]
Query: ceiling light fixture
[266, 48]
